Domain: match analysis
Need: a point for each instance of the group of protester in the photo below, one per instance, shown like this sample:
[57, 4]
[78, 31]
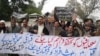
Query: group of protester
[50, 26]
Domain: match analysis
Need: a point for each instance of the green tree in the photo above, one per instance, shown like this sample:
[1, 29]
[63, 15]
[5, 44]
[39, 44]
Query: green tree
[9, 6]
[5, 10]
[25, 8]
[32, 9]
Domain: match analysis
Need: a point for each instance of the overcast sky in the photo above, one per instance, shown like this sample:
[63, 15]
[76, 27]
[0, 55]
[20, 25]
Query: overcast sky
[50, 4]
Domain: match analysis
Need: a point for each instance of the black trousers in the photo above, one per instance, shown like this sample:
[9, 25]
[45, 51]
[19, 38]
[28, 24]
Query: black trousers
[13, 55]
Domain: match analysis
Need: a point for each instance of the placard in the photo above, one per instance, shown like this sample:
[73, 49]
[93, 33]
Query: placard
[63, 13]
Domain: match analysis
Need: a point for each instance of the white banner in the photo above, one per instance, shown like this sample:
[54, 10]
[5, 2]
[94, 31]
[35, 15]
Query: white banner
[49, 45]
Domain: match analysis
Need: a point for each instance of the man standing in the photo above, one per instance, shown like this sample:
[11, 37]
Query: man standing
[25, 27]
[39, 28]
[14, 28]
[3, 28]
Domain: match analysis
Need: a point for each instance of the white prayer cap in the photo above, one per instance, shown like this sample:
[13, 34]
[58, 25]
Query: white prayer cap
[2, 21]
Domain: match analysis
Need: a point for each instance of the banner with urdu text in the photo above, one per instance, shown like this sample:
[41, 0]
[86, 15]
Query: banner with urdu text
[49, 45]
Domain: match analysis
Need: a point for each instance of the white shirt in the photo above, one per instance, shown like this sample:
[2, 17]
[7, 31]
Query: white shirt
[1, 32]
[25, 29]
[40, 29]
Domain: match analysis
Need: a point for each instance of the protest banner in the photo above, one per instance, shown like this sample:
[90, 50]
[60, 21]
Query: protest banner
[63, 13]
[38, 45]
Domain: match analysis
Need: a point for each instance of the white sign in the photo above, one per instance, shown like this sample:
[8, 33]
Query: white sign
[49, 45]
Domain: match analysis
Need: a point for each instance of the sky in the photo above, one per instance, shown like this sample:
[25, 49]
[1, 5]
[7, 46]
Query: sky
[51, 4]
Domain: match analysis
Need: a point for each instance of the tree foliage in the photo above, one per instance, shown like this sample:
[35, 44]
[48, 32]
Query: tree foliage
[30, 7]
[85, 7]
[41, 4]
[23, 6]
[31, 10]
[5, 10]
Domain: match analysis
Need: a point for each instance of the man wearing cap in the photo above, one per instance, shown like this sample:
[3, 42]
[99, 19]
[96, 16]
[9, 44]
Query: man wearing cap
[3, 28]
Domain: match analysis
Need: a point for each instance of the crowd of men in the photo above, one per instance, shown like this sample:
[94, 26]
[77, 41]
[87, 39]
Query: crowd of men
[50, 26]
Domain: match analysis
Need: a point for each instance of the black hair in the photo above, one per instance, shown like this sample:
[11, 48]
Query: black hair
[97, 21]
[40, 17]
[90, 20]
[58, 23]
[26, 19]
[67, 24]
[86, 20]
